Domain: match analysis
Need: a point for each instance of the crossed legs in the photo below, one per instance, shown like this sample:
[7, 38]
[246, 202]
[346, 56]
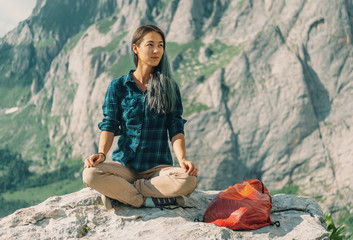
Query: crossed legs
[115, 181]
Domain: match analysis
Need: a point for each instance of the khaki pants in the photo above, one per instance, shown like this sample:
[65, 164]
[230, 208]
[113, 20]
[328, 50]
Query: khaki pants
[115, 181]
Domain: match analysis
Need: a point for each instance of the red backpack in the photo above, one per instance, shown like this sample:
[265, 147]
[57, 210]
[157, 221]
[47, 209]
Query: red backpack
[243, 206]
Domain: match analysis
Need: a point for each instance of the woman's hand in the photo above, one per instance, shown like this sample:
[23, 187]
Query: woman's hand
[94, 160]
[178, 142]
[190, 168]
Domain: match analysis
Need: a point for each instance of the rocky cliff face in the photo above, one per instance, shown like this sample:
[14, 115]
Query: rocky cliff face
[82, 214]
[267, 86]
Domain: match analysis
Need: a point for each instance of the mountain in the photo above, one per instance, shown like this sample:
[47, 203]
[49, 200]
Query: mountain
[266, 85]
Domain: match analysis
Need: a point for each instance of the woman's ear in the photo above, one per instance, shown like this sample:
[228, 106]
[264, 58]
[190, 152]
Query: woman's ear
[134, 48]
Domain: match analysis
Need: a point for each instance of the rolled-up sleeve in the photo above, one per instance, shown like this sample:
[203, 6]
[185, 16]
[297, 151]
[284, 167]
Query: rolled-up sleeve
[175, 123]
[111, 120]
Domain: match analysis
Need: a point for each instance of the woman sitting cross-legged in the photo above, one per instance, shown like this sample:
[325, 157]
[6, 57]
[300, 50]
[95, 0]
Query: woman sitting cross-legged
[143, 107]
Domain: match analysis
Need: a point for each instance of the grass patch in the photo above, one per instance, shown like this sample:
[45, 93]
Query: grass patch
[173, 48]
[190, 68]
[162, 5]
[72, 42]
[240, 4]
[13, 90]
[47, 42]
[110, 47]
[105, 24]
[29, 130]
[335, 233]
[11, 201]
[69, 87]
[20, 188]
[194, 108]
[346, 218]
[8, 207]
[290, 189]
[318, 198]
[6, 57]
[28, 135]
[36, 195]
[10, 96]
[121, 67]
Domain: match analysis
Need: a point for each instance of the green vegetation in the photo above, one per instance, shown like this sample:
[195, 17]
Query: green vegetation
[240, 4]
[20, 188]
[173, 48]
[72, 42]
[28, 134]
[11, 201]
[70, 87]
[259, 34]
[29, 127]
[10, 96]
[291, 189]
[47, 42]
[222, 55]
[105, 24]
[335, 233]
[5, 60]
[162, 5]
[121, 67]
[110, 47]
[190, 67]
[13, 89]
[61, 16]
[346, 217]
[194, 107]
[84, 229]
[13, 170]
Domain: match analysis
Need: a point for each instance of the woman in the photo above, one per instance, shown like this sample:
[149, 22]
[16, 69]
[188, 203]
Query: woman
[144, 106]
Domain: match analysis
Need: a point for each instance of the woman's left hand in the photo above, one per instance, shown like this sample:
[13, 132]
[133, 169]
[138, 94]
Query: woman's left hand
[94, 160]
[190, 168]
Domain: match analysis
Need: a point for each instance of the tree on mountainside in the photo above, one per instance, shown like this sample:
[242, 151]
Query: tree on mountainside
[13, 170]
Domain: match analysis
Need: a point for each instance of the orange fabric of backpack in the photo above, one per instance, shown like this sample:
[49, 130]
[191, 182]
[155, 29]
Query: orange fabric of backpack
[243, 206]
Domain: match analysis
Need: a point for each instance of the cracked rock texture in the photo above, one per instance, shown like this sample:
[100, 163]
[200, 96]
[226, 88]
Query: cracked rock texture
[267, 86]
[64, 217]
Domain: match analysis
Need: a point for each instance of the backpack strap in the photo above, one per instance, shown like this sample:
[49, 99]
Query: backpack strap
[277, 224]
[263, 188]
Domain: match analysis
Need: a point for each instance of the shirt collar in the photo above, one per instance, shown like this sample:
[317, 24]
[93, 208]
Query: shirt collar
[128, 77]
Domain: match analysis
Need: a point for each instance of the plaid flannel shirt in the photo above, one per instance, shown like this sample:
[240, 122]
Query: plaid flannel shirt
[143, 141]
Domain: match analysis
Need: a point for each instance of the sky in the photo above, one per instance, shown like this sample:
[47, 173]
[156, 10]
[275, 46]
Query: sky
[12, 12]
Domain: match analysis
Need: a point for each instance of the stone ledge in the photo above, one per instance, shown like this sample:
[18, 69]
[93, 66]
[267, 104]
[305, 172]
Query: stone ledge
[62, 217]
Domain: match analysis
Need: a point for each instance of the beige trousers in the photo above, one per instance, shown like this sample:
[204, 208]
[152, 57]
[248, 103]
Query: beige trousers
[115, 181]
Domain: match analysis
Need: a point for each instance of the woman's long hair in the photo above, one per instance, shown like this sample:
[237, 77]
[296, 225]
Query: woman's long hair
[162, 88]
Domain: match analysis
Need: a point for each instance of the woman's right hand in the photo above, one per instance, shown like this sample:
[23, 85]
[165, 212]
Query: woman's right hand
[94, 160]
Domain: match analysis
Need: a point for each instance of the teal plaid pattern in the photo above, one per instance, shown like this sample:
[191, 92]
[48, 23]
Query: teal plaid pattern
[143, 141]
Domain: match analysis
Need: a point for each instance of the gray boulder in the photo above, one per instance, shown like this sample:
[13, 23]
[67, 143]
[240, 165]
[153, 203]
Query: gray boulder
[82, 214]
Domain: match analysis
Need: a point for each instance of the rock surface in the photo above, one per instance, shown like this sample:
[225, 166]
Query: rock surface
[64, 217]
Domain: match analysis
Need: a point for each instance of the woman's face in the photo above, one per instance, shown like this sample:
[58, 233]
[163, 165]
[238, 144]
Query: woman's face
[150, 50]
